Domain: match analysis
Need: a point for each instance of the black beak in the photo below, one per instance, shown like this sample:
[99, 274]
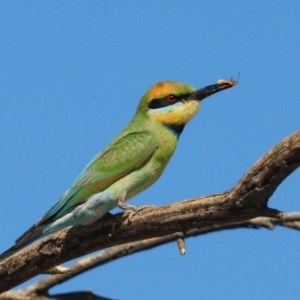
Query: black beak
[212, 89]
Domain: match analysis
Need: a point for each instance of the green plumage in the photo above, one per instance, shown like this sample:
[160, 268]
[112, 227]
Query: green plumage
[132, 162]
[142, 143]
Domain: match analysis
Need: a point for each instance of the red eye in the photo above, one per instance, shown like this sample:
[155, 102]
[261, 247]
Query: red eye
[171, 98]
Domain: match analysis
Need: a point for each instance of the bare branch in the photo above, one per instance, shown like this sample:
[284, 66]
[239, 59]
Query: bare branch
[58, 270]
[42, 287]
[247, 200]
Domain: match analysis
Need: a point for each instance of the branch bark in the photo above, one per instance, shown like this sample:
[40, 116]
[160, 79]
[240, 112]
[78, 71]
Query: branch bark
[247, 200]
[40, 289]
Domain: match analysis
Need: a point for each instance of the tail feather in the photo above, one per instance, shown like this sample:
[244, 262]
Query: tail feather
[32, 234]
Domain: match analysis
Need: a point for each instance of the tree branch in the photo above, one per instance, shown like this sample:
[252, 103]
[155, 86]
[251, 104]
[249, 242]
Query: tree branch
[247, 200]
[40, 289]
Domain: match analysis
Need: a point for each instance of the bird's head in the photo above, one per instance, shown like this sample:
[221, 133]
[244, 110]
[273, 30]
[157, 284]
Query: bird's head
[174, 104]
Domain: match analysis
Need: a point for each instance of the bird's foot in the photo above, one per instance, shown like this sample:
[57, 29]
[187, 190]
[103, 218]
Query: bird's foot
[130, 209]
[136, 209]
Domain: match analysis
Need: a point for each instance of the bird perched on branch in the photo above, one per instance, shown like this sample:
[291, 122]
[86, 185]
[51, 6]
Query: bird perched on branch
[132, 162]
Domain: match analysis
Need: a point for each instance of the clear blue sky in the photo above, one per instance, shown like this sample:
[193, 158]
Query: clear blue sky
[71, 75]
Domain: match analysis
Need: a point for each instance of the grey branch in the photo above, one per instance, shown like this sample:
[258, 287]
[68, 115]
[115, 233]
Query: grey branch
[243, 206]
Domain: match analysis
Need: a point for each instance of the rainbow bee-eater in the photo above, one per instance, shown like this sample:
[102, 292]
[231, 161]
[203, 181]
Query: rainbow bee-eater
[132, 162]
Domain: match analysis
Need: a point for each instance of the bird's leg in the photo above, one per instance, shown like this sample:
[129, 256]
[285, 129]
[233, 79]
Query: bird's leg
[123, 205]
[131, 209]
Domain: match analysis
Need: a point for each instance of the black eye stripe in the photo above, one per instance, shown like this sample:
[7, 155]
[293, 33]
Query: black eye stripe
[162, 102]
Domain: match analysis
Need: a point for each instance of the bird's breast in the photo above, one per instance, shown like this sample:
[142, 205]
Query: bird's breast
[144, 175]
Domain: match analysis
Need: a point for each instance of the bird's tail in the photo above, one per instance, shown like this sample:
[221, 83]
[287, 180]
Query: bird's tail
[25, 239]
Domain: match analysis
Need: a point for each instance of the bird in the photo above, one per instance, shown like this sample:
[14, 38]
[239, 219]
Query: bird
[129, 164]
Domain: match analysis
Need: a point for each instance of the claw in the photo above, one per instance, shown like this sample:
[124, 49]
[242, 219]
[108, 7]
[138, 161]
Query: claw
[137, 209]
[130, 209]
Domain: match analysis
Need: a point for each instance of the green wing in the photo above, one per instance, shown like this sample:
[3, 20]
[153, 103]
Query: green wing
[117, 160]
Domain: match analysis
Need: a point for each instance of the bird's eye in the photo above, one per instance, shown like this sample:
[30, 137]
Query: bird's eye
[171, 98]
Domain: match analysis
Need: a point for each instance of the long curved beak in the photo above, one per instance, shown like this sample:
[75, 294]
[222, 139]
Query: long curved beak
[212, 89]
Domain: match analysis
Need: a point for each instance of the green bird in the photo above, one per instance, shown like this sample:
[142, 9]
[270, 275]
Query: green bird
[132, 162]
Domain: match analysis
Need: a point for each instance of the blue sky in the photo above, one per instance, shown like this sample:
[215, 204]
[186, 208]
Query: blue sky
[72, 73]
